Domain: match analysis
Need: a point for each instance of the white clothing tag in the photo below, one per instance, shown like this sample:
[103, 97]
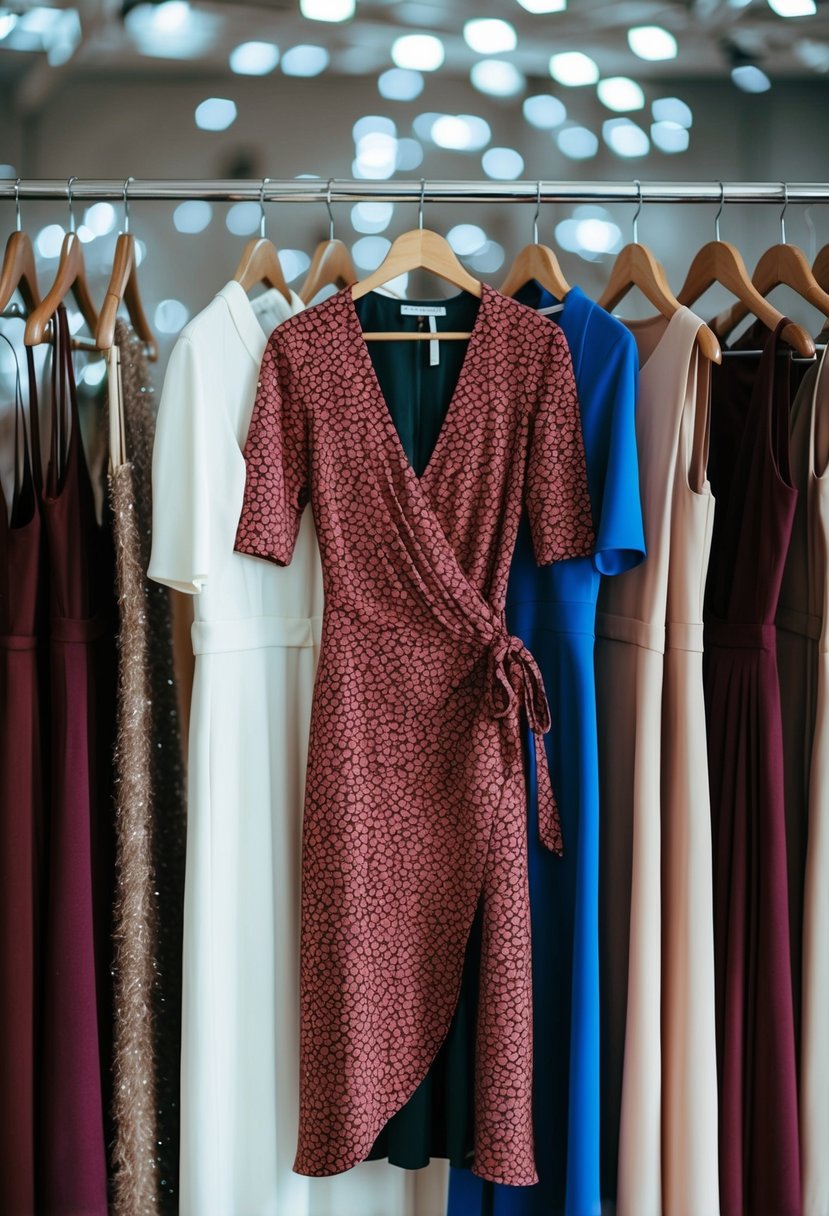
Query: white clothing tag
[422, 310]
[546, 312]
[434, 347]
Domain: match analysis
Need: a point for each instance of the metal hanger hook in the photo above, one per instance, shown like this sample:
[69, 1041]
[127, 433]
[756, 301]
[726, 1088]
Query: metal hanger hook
[330, 212]
[420, 206]
[719, 213]
[127, 204]
[537, 213]
[69, 182]
[265, 181]
[785, 186]
[638, 186]
[17, 205]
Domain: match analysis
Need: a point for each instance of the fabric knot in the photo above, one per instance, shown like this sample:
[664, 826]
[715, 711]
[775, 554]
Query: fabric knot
[515, 680]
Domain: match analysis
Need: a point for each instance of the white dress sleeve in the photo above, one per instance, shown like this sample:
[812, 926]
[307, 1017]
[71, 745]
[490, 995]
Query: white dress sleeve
[180, 555]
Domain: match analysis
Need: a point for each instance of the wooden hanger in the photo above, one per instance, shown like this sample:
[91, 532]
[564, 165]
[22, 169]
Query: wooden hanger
[19, 272]
[70, 278]
[636, 266]
[782, 265]
[720, 262]
[821, 268]
[536, 262]
[260, 262]
[123, 286]
[419, 249]
[331, 263]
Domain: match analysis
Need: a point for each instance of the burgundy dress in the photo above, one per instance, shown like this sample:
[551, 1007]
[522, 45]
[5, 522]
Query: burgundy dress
[21, 807]
[76, 1014]
[749, 473]
[415, 802]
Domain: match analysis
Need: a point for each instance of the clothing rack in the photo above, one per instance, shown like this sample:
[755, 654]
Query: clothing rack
[319, 190]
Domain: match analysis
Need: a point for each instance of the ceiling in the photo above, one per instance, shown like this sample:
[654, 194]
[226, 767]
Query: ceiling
[712, 36]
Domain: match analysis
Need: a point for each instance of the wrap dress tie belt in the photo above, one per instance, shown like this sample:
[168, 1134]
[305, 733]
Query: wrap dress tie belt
[514, 679]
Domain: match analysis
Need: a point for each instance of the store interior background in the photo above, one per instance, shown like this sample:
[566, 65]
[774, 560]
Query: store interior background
[101, 88]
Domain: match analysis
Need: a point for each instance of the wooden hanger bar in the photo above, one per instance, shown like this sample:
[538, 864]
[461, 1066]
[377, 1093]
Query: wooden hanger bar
[309, 190]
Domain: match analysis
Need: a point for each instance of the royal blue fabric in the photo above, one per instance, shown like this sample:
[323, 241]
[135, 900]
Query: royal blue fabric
[553, 611]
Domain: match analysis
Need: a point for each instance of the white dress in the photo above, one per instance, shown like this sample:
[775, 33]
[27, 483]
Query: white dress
[255, 638]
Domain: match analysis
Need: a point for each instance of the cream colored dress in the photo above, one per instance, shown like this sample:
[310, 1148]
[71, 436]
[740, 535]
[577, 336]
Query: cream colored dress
[803, 654]
[255, 637]
[652, 769]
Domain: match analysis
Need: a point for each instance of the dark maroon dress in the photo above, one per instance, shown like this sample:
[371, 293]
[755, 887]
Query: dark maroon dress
[76, 1013]
[21, 806]
[749, 472]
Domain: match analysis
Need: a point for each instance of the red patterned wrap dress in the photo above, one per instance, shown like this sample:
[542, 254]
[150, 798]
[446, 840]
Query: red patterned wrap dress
[415, 804]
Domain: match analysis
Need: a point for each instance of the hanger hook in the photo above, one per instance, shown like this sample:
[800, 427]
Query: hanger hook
[127, 204]
[638, 185]
[785, 186]
[69, 182]
[719, 213]
[420, 207]
[330, 212]
[537, 212]
[265, 181]
[17, 204]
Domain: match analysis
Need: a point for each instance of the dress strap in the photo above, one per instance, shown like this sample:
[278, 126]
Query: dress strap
[24, 491]
[818, 466]
[65, 428]
[778, 403]
[34, 420]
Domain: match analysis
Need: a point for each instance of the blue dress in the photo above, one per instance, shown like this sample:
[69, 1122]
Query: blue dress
[553, 609]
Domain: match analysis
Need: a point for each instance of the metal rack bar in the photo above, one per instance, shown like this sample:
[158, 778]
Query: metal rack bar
[316, 190]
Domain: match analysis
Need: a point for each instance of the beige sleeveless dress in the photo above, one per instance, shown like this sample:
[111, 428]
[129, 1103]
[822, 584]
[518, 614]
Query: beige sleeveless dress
[652, 770]
[803, 659]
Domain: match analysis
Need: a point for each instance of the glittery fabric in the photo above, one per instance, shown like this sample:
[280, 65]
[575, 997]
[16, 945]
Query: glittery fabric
[415, 799]
[150, 834]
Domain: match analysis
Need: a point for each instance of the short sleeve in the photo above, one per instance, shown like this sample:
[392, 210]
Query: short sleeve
[556, 492]
[607, 389]
[276, 460]
[180, 556]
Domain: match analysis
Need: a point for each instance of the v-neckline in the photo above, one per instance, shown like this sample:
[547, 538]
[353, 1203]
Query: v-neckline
[379, 397]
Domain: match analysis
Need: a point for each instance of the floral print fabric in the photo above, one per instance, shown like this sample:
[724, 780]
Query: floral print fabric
[415, 803]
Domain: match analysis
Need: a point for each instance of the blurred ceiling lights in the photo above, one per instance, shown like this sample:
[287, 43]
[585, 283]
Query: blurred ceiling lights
[670, 137]
[400, 84]
[544, 112]
[305, 60]
[750, 78]
[651, 42]
[573, 68]
[461, 132]
[489, 36]
[672, 109]
[793, 8]
[215, 114]
[172, 30]
[543, 6]
[254, 58]
[577, 143]
[625, 138]
[57, 31]
[497, 77]
[422, 52]
[327, 10]
[620, 93]
[502, 163]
